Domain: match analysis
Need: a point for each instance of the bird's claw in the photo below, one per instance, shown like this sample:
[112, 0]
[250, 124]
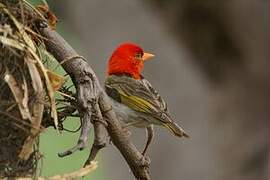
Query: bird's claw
[145, 161]
[126, 132]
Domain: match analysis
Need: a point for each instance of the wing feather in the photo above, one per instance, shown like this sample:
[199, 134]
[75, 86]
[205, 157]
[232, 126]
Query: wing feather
[138, 95]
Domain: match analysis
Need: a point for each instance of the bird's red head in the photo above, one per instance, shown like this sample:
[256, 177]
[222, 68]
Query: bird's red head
[128, 58]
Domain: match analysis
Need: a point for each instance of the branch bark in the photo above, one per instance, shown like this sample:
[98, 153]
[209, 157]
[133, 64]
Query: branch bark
[92, 98]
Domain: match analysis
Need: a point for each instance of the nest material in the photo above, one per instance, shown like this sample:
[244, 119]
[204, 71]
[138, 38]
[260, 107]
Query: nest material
[26, 88]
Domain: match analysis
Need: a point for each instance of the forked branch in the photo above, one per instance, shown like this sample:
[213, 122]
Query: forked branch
[94, 106]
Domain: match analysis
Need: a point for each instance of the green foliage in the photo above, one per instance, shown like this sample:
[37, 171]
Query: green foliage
[51, 143]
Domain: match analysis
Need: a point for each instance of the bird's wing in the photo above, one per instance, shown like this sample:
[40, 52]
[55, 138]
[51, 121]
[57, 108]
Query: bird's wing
[138, 95]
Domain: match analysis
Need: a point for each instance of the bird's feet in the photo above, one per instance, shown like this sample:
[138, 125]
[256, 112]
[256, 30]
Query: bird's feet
[145, 161]
[126, 132]
[125, 129]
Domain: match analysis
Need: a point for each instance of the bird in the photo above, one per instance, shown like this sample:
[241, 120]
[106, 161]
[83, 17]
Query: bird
[134, 100]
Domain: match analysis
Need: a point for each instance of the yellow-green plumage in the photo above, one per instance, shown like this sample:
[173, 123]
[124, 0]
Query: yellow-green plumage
[136, 100]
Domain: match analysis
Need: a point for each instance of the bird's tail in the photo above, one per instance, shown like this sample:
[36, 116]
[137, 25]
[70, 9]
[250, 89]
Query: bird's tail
[175, 129]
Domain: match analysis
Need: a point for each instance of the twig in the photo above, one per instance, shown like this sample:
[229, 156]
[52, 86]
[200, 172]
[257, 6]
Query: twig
[99, 134]
[88, 92]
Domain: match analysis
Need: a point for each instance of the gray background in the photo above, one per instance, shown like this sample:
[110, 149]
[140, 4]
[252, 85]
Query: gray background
[226, 119]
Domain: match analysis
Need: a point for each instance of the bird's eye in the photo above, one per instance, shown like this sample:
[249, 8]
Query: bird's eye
[138, 55]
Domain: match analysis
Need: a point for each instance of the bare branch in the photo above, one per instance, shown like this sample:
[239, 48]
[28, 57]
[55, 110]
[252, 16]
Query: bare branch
[88, 92]
[100, 134]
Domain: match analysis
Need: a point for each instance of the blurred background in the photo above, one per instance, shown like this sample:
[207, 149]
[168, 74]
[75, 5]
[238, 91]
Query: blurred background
[211, 66]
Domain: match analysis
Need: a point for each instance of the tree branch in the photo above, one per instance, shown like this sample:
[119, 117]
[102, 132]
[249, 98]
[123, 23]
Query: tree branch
[89, 93]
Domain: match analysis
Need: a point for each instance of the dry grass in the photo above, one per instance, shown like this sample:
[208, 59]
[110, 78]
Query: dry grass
[27, 88]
